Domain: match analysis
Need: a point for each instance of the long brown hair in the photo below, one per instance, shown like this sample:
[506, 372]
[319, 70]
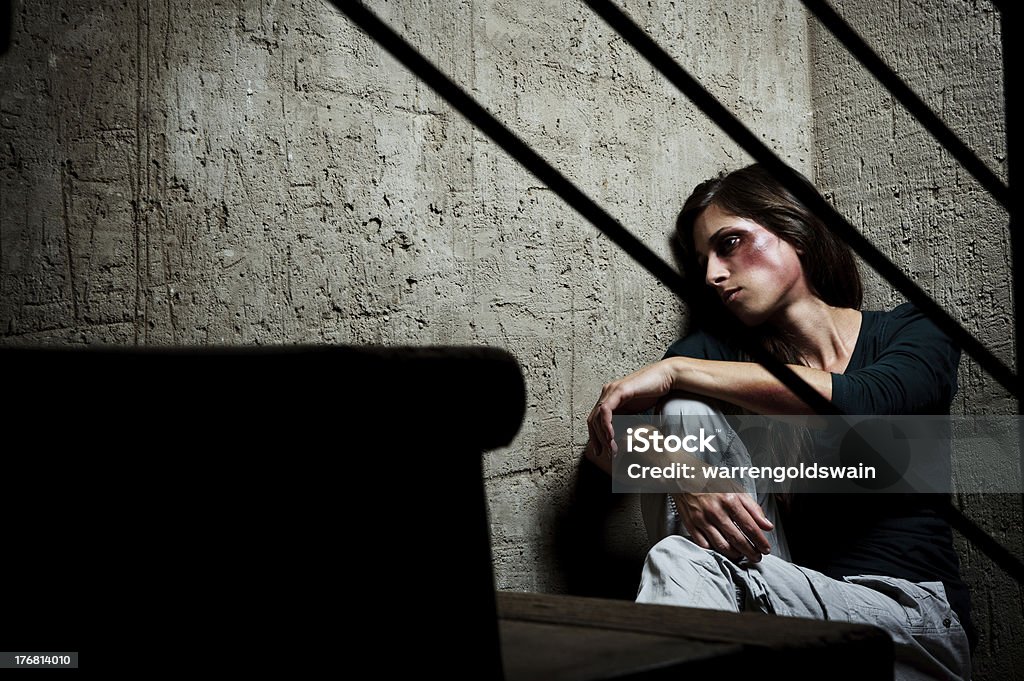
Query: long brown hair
[755, 194]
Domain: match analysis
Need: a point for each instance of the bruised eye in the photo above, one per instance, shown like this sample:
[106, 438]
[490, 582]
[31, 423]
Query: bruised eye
[726, 245]
[723, 247]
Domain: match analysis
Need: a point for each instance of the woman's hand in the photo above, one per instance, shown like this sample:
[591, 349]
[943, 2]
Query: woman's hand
[594, 454]
[629, 395]
[727, 522]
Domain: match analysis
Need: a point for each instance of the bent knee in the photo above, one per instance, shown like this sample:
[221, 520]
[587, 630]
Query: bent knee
[678, 572]
[689, 404]
[671, 551]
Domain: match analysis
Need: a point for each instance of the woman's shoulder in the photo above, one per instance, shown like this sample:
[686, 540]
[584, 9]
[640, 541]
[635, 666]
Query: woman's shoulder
[907, 310]
[905, 320]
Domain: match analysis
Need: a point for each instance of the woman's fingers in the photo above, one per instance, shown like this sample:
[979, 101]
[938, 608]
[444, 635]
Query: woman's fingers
[605, 409]
[592, 421]
[750, 518]
[595, 426]
[698, 538]
[596, 457]
[725, 523]
[756, 512]
[590, 429]
[715, 540]
[702, 514]
[599, 423]
[742, 531]
[719, 543]
[738, 542]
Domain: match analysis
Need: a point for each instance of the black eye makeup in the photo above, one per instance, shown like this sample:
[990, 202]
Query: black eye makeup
[723, 245]
[726, 244]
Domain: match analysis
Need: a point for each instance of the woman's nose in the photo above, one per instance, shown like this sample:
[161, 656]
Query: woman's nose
[716, 271]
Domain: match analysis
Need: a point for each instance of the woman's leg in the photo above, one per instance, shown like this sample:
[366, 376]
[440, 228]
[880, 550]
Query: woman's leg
[682, 413]
[928, 640]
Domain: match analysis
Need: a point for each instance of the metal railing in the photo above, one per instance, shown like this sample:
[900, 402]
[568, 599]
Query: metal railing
[460, 100]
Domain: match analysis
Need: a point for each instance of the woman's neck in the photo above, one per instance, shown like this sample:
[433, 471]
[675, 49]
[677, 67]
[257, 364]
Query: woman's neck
[825, 336]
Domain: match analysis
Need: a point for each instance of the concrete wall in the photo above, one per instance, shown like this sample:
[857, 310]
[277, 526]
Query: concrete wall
[919, 207]
[261, 172]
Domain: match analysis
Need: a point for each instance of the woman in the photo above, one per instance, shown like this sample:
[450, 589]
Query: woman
[755, 255]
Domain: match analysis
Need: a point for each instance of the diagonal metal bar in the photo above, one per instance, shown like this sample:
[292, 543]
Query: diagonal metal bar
[917, 108]
[561, 185]
[999, 554]
[712, 108]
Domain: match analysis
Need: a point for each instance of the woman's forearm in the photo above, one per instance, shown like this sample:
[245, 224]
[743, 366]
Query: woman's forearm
[747, 384]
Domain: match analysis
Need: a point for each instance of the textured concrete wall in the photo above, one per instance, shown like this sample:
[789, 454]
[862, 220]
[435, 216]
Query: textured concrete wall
[261, 172]
[916, 204]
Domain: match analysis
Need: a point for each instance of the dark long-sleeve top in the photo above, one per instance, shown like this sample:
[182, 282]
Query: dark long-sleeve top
[901, 364]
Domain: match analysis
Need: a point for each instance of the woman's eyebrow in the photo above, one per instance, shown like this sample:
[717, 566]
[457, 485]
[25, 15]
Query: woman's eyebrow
[714, 237]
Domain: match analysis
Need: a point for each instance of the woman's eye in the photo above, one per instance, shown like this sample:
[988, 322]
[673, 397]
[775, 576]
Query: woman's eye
[727, 244]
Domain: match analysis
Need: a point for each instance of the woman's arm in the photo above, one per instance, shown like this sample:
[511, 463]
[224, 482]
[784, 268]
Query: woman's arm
[730, 523]
[745, 384]
[717, 513]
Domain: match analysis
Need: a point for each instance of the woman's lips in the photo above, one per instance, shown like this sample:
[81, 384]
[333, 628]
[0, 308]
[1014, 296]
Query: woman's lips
[731, 296]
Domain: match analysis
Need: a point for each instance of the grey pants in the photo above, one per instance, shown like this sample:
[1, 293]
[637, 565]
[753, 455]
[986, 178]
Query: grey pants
[929, 641]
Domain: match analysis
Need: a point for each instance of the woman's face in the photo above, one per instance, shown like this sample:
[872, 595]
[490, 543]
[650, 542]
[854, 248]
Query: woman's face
[755, 273]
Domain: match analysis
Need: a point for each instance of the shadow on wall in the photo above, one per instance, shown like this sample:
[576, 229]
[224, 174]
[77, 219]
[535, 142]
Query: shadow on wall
[594, 562]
